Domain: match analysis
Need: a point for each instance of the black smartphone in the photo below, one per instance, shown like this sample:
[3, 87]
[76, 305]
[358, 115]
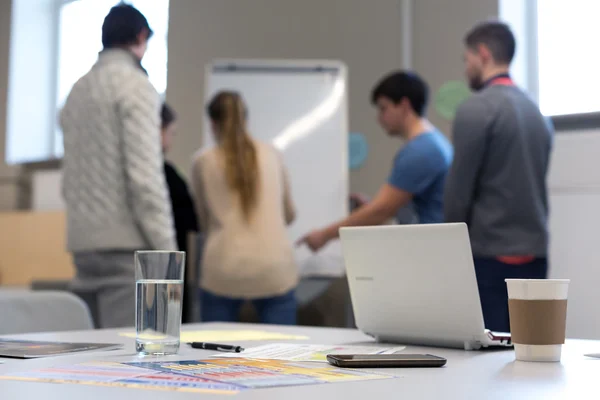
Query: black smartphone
[385, 360]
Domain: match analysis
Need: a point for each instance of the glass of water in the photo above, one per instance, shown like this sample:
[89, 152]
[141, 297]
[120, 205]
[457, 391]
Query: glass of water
[158, 301]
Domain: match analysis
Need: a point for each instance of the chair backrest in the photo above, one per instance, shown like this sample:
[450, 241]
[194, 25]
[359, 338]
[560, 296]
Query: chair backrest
[25, 311]
[90, 298]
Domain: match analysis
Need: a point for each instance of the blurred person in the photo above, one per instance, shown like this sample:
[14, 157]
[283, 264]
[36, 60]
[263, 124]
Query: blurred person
[113, 183]
[419, 168]
[243, 203]
[184, 214]
[497, 182]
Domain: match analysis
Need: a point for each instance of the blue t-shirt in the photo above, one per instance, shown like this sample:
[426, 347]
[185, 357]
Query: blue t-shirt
[420, 168]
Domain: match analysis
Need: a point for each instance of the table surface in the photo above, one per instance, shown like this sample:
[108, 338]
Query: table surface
[489, 374]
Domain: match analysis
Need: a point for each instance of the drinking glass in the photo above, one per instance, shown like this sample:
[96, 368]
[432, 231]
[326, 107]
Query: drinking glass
[158, 301]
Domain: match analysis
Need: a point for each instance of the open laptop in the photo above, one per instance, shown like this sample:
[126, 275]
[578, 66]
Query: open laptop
[416, 284]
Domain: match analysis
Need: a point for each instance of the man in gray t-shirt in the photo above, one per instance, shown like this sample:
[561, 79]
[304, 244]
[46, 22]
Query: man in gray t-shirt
[497, 182]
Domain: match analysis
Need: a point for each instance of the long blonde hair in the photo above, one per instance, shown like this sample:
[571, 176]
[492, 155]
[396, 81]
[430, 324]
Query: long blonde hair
[228, 113]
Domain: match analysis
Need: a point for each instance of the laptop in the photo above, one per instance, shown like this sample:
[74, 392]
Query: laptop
[416, 284]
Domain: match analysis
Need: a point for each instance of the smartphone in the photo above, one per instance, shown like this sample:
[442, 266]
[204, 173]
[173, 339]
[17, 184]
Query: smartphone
[385, 360]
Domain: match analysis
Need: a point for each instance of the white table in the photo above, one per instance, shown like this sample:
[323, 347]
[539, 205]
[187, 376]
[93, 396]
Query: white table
[468, 375]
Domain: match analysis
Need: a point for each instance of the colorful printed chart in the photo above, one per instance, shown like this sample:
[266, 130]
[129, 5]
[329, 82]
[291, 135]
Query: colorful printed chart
[122, 375]
[251, 374]
[217, 376]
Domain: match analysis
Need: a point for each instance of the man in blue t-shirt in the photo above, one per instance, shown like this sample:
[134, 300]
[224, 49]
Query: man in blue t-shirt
[419, 168]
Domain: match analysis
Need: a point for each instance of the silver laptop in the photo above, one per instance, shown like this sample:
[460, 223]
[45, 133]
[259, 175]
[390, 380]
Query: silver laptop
[415, 284]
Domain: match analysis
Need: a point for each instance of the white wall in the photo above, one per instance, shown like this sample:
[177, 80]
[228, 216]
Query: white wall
[365, 35]
[574, 183]
[439, 30]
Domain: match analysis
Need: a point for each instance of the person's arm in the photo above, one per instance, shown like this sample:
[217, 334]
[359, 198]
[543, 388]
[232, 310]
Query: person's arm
[470, 136]
[414, 169]
[199, 194]
[143, 162]
[289, 209]
[288, 203]
[384, 206]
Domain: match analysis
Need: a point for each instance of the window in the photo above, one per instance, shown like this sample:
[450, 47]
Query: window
[30, 111]
[557, 60]
[66, 36]
[567, 56]
[80, 40]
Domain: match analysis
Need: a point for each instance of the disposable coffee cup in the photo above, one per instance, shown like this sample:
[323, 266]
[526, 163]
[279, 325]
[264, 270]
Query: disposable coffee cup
[538, 317]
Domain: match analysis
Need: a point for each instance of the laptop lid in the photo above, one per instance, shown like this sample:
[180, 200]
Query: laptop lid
[413, 283]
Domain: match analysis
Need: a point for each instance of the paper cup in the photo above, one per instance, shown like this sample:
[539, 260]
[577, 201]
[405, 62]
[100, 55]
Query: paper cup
[538, 313]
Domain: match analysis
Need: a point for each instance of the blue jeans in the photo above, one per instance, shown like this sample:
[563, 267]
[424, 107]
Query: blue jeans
[280, 310]
[493, 294]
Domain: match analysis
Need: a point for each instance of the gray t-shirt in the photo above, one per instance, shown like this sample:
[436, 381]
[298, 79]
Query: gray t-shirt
[497, 182]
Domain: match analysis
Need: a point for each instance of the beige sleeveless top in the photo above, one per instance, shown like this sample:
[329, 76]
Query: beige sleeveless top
[245, 259]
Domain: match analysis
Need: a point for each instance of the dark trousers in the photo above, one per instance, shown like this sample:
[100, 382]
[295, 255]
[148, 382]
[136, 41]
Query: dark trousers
[279, 310]
[491, 274]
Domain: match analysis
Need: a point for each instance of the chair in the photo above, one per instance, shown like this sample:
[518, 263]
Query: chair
[90, 298]
[24, 311]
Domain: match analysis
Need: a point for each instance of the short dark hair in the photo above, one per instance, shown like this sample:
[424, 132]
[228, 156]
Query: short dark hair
[497, 37]
[167, 115]
[122, 26]
[403, 84]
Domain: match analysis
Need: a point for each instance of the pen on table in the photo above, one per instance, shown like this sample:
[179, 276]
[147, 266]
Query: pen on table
[216, 347]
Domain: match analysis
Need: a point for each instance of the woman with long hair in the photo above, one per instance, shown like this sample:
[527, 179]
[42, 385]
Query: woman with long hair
[243, 204]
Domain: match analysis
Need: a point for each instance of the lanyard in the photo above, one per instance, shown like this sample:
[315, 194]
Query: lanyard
[505, 81]
[501, 80]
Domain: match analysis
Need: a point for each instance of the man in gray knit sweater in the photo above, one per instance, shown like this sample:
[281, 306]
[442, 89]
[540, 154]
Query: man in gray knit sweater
[497, 182]
[113, 184]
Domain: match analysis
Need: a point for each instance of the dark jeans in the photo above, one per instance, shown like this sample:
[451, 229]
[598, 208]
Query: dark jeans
[491, 274]
[279, 310]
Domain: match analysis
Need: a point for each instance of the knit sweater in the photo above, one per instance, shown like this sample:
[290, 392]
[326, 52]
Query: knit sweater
[497, 183]
[245, 259]
[113, 179]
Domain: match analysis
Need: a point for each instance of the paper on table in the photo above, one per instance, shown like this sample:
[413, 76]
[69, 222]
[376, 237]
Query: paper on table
[215, 376]
[306, 352]
[255, 374]
[123, 375]
[231, 336]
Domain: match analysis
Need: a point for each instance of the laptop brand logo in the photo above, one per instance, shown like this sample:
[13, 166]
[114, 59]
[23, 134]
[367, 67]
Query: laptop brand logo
[364, 278]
